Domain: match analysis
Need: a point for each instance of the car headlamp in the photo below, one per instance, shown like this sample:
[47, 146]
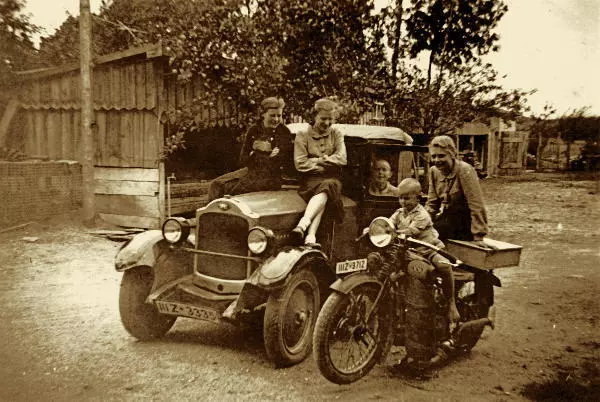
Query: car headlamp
[381, 231]
[258, 239]
[176, 229]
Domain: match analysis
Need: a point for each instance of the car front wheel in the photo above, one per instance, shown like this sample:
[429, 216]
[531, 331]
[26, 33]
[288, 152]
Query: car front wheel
[290, 319]
[140, 319]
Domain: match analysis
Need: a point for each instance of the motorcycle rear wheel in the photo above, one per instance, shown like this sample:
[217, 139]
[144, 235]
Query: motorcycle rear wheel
[345, 346]
[470, 308]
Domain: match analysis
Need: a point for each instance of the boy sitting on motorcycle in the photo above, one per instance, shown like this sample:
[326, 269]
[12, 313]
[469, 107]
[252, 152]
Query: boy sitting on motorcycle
[413, 220]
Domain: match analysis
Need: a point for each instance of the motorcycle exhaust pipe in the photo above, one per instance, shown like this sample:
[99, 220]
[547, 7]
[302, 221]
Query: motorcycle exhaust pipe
[458, 338]
[469, 327]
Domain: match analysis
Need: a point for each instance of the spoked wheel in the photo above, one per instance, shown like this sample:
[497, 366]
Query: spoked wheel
[347, 344]
[290, 319]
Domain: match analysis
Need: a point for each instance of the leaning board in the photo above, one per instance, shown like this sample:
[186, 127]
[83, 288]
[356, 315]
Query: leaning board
[507, 255]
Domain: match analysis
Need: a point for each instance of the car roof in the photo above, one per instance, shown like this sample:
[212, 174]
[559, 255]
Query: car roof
[364, 131]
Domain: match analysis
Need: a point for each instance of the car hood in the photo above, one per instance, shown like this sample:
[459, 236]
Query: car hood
[272, 203]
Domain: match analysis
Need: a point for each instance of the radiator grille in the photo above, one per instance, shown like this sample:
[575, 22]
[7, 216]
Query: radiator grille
[227, 234]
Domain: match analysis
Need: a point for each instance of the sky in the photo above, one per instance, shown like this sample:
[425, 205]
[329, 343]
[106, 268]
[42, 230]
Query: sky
[548, 45]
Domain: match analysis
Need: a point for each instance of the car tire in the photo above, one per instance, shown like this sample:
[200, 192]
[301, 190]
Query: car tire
[290, 318]
[140, 319]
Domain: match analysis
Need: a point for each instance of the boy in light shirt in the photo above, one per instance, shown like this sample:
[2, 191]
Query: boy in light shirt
[413, 220]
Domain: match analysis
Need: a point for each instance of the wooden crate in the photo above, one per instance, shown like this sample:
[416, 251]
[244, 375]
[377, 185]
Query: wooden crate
[506, 255]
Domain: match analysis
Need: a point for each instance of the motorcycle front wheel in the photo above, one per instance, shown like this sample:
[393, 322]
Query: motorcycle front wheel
[346, 345]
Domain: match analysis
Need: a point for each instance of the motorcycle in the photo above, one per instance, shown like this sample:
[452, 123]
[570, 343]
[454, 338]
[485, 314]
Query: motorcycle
[398, 300]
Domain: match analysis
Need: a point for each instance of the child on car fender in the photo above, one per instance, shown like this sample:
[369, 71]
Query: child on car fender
[413, 220]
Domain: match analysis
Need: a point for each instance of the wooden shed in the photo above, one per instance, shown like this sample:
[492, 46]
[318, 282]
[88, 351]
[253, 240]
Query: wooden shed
[501, 149]
[132, 90]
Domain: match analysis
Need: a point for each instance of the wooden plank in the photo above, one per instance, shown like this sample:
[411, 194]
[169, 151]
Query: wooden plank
[129, 174]
[30, 142]
[126, 140]
[34, 91]
[134, 205]
[115, 87]
[123, 85]
[188, 206]
[98, 82]
[77, 134]
[169, 94]
[54, 135]
[9, 113]
[55, 89]
[75, 87]
[124, 187]
[201, 200]
[131, 90]
[150, 51]
[162, 180]
[67, 134]
[39, 133]
[189, 94]
[131, 221]
[101, 151]
[151, 85]
[64, 89]
[113, 139]
[137, 138]
[152, 139]
[140, 85]
[181, 101]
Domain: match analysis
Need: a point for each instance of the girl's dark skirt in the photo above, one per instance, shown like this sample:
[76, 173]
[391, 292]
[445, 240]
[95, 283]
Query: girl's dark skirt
[314, 184]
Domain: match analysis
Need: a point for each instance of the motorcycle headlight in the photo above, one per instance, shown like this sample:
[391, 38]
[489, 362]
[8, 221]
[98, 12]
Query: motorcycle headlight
[381, 231]
[258, 239]
[176, 229]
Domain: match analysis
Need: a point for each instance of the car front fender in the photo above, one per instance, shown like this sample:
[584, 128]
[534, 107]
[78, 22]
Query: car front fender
[140, 251]
[346, 284]
[274, 271]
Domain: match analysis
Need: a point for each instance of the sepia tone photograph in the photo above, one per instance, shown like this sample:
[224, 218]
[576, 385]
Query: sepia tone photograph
[294, 200]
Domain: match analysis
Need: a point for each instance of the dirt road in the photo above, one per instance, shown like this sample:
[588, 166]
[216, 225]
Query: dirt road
[62, 338]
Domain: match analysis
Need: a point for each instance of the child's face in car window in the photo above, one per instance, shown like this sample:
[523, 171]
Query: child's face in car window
[382, 171]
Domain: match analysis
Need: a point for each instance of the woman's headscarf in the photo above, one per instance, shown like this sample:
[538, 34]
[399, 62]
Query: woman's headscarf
[446, 143]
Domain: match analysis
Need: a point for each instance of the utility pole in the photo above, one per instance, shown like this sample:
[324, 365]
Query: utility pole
[87, 110]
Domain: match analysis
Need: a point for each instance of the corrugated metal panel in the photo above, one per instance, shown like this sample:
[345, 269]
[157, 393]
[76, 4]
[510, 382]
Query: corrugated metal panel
[115, 86]
[215, 111]
[125, 98]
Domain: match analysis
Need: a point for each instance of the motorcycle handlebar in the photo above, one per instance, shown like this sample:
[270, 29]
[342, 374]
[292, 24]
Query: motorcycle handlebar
[456, 262]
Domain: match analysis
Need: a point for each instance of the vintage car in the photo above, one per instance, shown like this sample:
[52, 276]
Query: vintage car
[235, 260]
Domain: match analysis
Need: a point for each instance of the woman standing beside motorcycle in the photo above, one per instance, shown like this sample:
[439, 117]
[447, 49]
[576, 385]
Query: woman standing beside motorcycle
[455, 199]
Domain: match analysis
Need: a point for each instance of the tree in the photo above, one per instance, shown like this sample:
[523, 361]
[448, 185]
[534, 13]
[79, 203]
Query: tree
[542, 128]
[576, 125]
[464, 93]
[16, 46]
[333, 48]
[395, 33]
[453, 31]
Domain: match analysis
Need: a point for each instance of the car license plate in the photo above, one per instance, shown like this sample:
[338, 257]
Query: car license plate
[351, 266]
[201, 313]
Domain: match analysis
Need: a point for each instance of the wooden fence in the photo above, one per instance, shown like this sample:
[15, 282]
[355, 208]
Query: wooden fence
[131, 91]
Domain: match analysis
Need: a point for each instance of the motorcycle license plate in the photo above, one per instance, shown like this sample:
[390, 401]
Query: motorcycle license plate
[201, 313]
[351, 266]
